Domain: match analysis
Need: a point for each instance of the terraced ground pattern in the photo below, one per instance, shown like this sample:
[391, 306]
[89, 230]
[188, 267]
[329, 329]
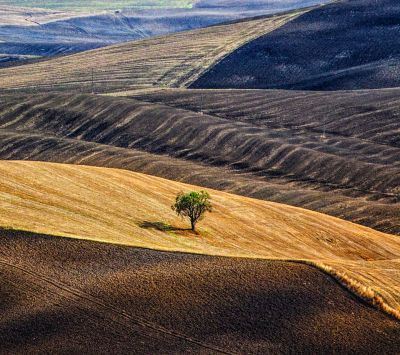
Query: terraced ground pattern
[269, 145]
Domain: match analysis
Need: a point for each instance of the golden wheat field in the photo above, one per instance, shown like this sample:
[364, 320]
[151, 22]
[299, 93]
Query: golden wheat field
[123, 207]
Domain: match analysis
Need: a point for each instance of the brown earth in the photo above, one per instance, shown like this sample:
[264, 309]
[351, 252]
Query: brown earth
[59, 295]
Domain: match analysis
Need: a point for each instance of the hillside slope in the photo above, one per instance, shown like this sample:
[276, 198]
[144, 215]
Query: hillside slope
[42, 35]
[122, 207]
[98, 5]
[22, 16]
[279, 155]
[54, 291]
[172, 61]
[344, 45]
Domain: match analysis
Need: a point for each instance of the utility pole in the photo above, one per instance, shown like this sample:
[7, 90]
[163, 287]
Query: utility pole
[92, 81]
[201, 103]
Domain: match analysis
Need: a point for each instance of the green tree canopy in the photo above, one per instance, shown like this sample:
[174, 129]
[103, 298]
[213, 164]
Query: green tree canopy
[192, 205]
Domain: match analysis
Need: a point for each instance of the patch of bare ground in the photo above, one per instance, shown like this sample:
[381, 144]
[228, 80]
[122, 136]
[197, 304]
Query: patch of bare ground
[65, 295]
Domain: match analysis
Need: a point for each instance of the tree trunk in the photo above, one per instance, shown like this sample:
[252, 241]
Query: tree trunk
[193, 223]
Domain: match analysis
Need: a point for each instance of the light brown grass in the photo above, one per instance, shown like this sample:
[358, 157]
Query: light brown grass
[22, 16]
[111, 205]
[170, 61]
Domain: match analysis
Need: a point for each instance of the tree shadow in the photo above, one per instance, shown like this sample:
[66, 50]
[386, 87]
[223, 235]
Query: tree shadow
[161, 226]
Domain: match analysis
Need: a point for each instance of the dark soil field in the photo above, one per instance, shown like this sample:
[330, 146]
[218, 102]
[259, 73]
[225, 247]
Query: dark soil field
[60, 295]
[344, 45]
[268, 145]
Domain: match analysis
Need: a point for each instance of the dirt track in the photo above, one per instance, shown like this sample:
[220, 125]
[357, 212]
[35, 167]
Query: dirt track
[60, 295]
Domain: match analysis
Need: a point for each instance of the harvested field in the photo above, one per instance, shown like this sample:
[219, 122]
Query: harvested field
[41, 34]
[171, 61]
[65, 295]
[99, 5]
[280, 154]
[123, 207]
[22, 16]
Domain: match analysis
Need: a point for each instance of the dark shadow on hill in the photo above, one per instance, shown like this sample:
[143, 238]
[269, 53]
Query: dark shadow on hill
[165, 227]
[158, 302]
[342, 46]
[161, 226]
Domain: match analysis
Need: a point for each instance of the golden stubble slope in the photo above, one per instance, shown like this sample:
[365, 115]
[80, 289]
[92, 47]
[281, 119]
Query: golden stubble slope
[169, 61]
[118, 206]
[28, 16]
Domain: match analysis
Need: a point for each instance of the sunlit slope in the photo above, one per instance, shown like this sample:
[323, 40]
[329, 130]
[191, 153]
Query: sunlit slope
[264, 144]
[172, 61]
[14, 16]
[129, 208]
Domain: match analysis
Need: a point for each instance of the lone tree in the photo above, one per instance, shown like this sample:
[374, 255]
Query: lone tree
[192, 205]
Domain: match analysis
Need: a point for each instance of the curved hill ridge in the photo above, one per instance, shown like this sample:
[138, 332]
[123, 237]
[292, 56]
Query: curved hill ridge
[344, 45]
[36, 147]
[122, 207]
[172, 61]
[281, 158]
[236, 305]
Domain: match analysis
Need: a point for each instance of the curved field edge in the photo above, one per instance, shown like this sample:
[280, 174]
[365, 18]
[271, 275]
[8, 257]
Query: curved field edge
[280, 155]
[73, 201]
[248, 304]
[165, 61]
[363, 292]
[212, 62]
[290, 16]
[366, 293]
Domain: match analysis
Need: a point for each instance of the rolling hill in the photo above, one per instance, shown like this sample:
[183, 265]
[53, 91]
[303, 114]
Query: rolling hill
[22, 16]
[340, 46]
[43, 33]
[280, 155]
[69, 295]
[172, 61]
[90, 247]
[98, 5]
[127, 208]
[250, 5]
